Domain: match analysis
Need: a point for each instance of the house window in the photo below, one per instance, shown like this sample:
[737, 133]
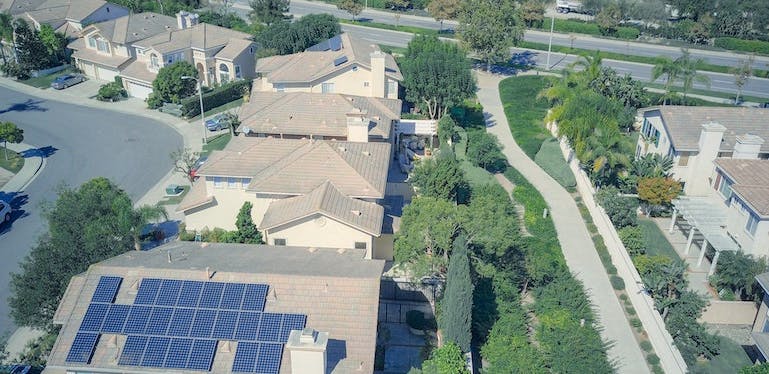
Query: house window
[218, 182]
[355, 68]
[751, 224]
[278, 241]
[280, 88]
[361, 245]
[102, 46]
[154, 61]
[366, 84]
[232, 182]
[245, 182]
[237, 72]
[725, 188]
[656, 138]
[224, 73]
[392, 88]
[92, 43]
[327, 88]
[683, 159]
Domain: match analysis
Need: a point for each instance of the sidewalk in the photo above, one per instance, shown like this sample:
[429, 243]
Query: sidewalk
[33, 163]
[577, 247]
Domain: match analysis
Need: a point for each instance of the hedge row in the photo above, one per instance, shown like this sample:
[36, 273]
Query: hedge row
[589, 28]
[735, 44]
[219, 96]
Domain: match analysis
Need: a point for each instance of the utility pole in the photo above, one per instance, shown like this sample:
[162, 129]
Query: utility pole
[550, 42]
[202, 110]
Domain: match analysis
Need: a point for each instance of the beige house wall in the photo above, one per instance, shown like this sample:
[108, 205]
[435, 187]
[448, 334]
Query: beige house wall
[320, 231]
[223, 213]
[346, 82]
[761, 316]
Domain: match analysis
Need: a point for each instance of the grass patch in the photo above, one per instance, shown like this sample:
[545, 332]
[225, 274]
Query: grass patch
[222, 108]
[525, 111]
[174, 200]
[694, 101]
[216, 143]
[551, 160]
[475, 175]
[730, 359]
[45, 82]
[411, 29]
[656, 243]
[460, 148]
[14, 162]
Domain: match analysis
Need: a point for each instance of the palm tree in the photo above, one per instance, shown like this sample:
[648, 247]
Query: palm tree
[666, 284]
[140, 217]
[688, 71]
[591, 65]
[671, 69]
[606, 153]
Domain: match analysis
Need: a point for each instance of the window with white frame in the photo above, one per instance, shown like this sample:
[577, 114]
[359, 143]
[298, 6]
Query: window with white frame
[154, 61]
[224, 73]
[392, 88]
[218, 182]
[232, 182]
[277, 241]
[237, 72]
[102, 46]
[361, 245]
[92, 42]
[327, 88]
[725, 188]
[366, 84]
[751, 224]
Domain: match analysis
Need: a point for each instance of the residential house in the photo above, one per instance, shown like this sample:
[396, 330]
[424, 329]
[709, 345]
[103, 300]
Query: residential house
[760, 332]
[695, 136]
[190, 307]
[343, 64]
[68, 17]
[297, 115]
[305, 192]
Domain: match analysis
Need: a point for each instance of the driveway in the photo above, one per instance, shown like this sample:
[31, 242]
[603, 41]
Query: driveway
[80, 143]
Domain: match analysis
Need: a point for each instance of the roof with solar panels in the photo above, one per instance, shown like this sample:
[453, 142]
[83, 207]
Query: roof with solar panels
[190, 307]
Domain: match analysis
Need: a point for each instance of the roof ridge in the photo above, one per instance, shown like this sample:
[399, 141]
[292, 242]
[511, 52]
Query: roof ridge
[284, 162]
[337, 151]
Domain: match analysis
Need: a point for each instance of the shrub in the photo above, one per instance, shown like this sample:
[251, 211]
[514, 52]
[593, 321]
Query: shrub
[656, 369]
[416, 320]
[646, 263]
[630, 310]
[219, 96]
[15, 70]
[646, 345]
[551, 160]
[623, 297]
[635, 322]
[484, 150]
[112, 91]
[652, 359]
[154, 101]
[617, 283]
[525, 111]
[622, 210]
[628, 33]
[735, 44]
[632, 238]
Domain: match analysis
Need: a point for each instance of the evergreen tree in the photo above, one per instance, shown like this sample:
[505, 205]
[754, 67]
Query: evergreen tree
[269, 11]
[457, 304]
[247, 232]
[30, 50]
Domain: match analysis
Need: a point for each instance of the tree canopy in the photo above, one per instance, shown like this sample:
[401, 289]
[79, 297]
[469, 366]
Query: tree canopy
[447, 359]
[457, 304]
[9, 132]
[443, 10]
[490, 28]
[440, 177]
[354, 7]
[269, 11]
[169, 86]
[291, 37]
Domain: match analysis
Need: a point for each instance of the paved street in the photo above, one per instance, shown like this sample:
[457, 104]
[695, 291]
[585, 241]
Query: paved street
[578, 249]
[80, 143]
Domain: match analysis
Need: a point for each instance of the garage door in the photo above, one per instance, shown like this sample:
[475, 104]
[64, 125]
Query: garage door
[88, 69]
[106, 74]
[138, 90]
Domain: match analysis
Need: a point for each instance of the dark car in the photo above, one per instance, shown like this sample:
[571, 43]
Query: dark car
[67, 80]
[218, 122]
[198, 164]
[764, 105]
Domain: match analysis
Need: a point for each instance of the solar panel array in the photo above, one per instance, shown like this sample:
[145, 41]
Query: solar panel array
[177, 324]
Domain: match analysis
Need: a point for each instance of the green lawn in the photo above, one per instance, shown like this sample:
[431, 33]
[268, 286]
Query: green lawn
[525, 111]
[656, 243]
[730, 359]
[550, 159]
[45, 82]
[14, 162]
[216, 143]
[411, 29]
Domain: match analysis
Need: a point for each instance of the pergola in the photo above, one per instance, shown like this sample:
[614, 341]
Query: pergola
[710, 220]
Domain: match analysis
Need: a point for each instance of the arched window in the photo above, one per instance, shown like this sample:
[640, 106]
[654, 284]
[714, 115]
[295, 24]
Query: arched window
[224, 73]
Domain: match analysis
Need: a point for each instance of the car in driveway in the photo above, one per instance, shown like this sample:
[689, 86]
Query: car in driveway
[198, 164]
[67, 80]
[5, 212]
[218, 122]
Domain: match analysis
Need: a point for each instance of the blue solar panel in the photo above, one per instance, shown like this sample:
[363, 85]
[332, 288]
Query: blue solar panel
[137, 319]
[158, 321]
[169, 292]
[190, 294]
[335, 43]
[82, 347]
[212, 295]
[155, 353]
[291, 322]
[148, 290]
[245, 357]
[116, 318]
[202, 354]
[94, 317]
[181, 322]
[248, 326]
[340, 60]
[178, 353]
[133, 350]
[232, 297]
[269, 329]
[268, 360]
[203, 323]
[254, 297]
[106, 289]
[225, 325]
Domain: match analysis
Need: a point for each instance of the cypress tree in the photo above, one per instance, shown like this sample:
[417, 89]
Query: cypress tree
[456, 308]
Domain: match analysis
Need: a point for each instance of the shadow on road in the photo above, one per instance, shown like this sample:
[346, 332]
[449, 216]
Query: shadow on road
[518, 62]
[17, 201]
[31, 105]
[43, 152]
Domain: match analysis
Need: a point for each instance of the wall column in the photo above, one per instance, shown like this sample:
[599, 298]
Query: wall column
[673, 220]
[702, 252]
[689, 240]
[713, 265]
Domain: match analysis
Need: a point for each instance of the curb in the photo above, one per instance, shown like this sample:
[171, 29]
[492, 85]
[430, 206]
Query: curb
[28, 172]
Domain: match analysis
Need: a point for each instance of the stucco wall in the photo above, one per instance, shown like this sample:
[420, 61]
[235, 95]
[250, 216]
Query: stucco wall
[346, 82]
[320, 231]
[224, 212]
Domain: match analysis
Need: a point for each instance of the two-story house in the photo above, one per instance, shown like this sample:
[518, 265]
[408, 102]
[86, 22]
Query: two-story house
[65, 16]
[342, 64]
[305, 192]
[695, 136]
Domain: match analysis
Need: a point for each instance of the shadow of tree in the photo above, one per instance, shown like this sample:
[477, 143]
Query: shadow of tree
[17, 200]
[31, 105]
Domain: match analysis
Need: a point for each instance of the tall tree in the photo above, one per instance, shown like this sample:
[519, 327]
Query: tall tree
[532, 13]
[671, 69]
[30, 50]
[591, 66]
[689, 73]
[490, 28]
[443, 10]
[9, 132]
[436, 75]
[665, 284]
[136, 219]
[55, 43]
[247, 231]
[742, 73]
[6, 34]
[169, 85]
[291, 37]
[184, 161]
[457, 305]
[354, 7]
[608, 19]
[440, 177]
[269, 11]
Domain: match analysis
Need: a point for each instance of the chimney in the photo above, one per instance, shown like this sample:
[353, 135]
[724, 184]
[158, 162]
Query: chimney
[378, 88]
[181, 19]
[702, 168]
[192, 19]
[747, 146]
[307, 348]
[357, 126]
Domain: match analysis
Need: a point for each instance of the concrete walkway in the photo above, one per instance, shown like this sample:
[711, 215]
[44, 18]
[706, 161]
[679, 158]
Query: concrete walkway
[33, 163]
[577, 246]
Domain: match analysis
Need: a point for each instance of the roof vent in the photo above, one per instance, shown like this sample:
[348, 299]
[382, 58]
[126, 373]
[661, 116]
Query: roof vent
[342, 149]
[356, 212]
[312, 249]
[340, 60]
[308, 335]
[290, 117]
[341, 251]
[366, 153]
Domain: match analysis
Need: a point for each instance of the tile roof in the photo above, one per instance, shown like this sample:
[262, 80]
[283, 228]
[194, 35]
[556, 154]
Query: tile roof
[137, 70]
[200, 36]
[298, 166]
[684, 124]
[234, 48]
[337, 291]
[328, 201]
[196, 197]
[309, 66]
[305, 114]
[66, 10]
[134, 27]
[751, 181]
[83, 53]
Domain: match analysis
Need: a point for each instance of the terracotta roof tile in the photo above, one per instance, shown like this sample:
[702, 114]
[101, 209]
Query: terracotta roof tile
[751, 181]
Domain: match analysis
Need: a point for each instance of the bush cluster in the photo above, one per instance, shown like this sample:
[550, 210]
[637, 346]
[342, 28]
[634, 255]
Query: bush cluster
[735, 44]
[112, 91]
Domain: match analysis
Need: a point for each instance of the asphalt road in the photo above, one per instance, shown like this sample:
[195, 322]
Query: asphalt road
[81, 143]
[301, 7]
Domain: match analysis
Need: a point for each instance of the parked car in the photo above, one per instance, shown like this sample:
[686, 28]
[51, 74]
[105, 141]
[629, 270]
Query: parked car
[198, 164]
[67, 80]
[764, 105]
[5, 211]
[218, 122]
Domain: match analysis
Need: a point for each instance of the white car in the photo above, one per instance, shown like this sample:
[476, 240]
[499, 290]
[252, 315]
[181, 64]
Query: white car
[5, 211]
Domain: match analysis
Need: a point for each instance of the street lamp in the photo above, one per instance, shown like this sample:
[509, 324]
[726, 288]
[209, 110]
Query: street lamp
[550, 42]
[202, 111]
